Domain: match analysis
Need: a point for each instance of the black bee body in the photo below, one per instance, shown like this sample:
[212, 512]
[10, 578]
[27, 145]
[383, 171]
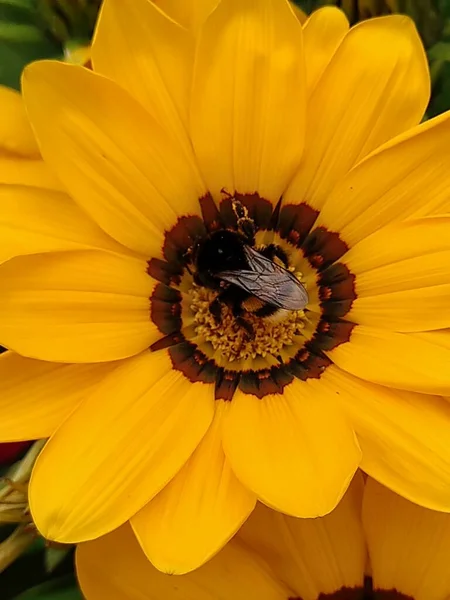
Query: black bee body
[249, 280]
[221, 251]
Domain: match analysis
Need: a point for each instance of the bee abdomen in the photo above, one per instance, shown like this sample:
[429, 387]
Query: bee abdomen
[263, 310]
[253, 305]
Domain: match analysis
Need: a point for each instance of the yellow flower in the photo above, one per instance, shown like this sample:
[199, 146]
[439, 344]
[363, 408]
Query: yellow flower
[157, 413]
[274, 557]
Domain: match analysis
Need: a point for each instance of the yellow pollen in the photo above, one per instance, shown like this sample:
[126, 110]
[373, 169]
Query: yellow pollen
[232, 340]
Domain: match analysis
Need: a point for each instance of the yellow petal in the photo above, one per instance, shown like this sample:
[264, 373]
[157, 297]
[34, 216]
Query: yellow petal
[76, 306]
[113, 158]
[38, 396]
[398, 241]
[16, 136]
[249, 97]
[424, 306]
[295, 450]
[191, 14]
[313, 556]
[36, 221]
[118, 449]
[440, 338]
[400, 180]
[194, 516]
[403, 437]
[363, 99]
[27, 171]
[322, 33]
[114, 567]
[409, 546]
[153, 60]
[402, 274]
[396, 360]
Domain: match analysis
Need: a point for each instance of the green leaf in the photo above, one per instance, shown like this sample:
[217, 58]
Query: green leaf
[54, 556]
[440, 51]
[14, 57]
[22, 40]
[25, 4]
[16, 12]
[63, 588]
[440, 98]
[11, 32]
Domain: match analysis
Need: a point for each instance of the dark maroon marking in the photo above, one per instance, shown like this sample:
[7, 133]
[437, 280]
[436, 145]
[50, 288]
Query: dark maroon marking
[265, 381]
[161, 270]
[388, 595]
[336, 290]
[330, 334]
[181, 237]
[226, 384]
[295, 222]
[274, 219]
[336, 309]
[361, 593]
[340, 280]
[210, 212]
[191, 361]
[344, 593]
[165, 309]
[259, 210]
[169, 340]
[308, 363]
[323, 247]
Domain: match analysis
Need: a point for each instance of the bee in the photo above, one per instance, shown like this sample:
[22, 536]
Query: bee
[248, 279]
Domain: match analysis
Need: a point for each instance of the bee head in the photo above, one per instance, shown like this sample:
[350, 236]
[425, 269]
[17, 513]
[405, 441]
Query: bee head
[221, 251]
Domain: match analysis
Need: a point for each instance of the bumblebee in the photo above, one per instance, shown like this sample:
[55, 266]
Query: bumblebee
[248, 279]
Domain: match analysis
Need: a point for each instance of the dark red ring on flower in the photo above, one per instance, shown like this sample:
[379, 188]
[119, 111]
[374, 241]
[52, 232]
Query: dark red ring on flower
[367, 592]
[292, 223]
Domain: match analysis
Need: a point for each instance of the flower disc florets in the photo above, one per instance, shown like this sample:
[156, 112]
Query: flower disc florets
[221, 350]
[228, 338]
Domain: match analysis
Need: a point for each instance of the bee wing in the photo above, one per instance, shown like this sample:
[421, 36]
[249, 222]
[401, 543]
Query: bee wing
[268, 281]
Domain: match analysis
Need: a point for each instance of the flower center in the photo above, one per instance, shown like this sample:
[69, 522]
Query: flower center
[250, 296]
[269, 336]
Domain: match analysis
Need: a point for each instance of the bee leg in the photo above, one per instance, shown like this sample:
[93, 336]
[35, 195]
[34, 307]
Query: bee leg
[215, 308]
[272, 250]
[197, 279]
[247, 227]
[237, 311]
[248, 327]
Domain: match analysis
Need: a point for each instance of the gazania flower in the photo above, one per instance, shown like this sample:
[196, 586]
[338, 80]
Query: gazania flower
[404, 547]
[160, 412]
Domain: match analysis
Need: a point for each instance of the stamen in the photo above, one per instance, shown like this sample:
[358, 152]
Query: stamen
[230, 339]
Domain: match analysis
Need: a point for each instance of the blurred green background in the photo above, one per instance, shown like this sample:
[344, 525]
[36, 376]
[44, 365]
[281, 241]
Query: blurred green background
[35, 29]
